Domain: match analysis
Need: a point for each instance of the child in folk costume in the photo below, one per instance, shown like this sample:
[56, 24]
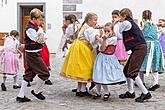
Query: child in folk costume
[120, 51]
[107, 70]
[133, 40]
[71, 31]
[8, 59]
[34, 63]
[153, 62]
[161, 30]
[45, 51]
[79, 61]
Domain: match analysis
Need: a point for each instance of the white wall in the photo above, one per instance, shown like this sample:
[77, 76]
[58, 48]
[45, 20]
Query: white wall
[104, 8]
[8, 14]
[8, 19]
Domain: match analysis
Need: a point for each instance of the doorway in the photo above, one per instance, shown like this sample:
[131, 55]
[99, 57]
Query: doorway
[24, 16]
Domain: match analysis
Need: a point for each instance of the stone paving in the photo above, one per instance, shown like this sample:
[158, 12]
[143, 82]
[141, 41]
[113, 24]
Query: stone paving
[60, 97]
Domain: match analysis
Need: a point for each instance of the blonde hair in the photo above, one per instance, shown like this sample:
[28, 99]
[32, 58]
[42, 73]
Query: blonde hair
[126, 12]
[87, 17]
[35, 13]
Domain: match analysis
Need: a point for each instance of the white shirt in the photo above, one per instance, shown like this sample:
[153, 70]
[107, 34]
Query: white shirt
[70, 30]
[33, 35]
[124, 26]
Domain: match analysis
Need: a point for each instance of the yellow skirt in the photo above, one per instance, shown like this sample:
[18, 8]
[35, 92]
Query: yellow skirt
[79, 62]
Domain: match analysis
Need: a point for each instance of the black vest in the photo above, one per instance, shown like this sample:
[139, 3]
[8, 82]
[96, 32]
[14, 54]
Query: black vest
[133, 37]
[29, 44]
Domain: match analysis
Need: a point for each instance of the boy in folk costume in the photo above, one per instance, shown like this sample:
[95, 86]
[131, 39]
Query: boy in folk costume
[34, 63]
[134, 41]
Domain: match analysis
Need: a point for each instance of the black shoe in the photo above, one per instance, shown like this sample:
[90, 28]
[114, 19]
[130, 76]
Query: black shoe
[74, 90]
[16, 86]
[143, 97]
[25, 99]
[106, 96]
[153, 88]
[83, 94]
[28, 84]
[48, 82]
[39, 95]
[127, 95]
[3, 87]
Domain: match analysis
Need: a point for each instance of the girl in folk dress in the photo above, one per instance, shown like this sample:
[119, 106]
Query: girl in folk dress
[79, 61]
[107, 70]
[8, 59]
[161, 30]
[71, 32]
[153, 62]
[120, 51]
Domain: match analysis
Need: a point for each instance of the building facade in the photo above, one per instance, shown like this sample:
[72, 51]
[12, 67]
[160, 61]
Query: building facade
[14, 14]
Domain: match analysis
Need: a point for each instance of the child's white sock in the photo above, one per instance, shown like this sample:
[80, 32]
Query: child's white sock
[141, 75]
[140, 85]
[39, 85]
[98, 89]
[15, 80]
[79, 86]
[4, 78]
[130, 85]
[83, 87]
[23, 89]
[155, 77]
[105, 87]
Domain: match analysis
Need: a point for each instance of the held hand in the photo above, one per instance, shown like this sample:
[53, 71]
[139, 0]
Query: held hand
[41, 39]
[101, 32]
[65, 46]
[99, 27]
[20, 56]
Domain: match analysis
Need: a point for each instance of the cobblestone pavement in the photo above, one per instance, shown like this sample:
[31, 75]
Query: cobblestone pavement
[60, 97]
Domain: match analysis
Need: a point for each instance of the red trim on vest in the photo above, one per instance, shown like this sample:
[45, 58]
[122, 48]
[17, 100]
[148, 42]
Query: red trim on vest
[129, 39]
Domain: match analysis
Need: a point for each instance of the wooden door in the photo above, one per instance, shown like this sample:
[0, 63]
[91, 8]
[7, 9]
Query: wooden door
[2, 34]
[25, 20]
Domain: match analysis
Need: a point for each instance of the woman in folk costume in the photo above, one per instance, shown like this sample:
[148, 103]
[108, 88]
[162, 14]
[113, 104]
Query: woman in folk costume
[161, 30]
[8, 59]
[107, 70]
[120, 51]
[153, 62]
[79, 61]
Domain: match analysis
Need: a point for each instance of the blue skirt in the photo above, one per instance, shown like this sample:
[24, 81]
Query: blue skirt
[107, 70]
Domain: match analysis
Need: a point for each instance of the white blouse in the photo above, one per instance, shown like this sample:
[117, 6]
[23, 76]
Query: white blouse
[90, 35]
[117, 32]
[11, 44]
